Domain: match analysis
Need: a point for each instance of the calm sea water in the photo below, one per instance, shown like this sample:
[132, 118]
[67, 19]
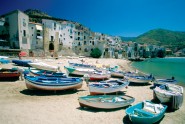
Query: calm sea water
[163, 68]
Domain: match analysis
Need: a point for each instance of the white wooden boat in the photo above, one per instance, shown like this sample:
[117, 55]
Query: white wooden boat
[109, 86]
[165, 92]
[93, 74]
[52, 83]
[139, 79]
[4, 57]
[44, 66]
[105, 101]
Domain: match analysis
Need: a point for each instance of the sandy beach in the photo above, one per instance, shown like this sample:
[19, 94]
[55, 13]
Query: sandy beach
[18, 105]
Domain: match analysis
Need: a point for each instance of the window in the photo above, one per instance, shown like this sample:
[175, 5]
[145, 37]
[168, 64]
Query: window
[24, 33]
[24, 22]
[32, 28]
[55, 26]
[64, 38]
[84, 42]
[71, 37]
[91, 49]
[78, 38]
[93, 43]
[79, 48]
[84, 37]
[52, 38]
[78, 43]
[85, 50]
[78, 33]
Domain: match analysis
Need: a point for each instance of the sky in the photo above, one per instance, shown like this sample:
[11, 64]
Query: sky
[128, 18]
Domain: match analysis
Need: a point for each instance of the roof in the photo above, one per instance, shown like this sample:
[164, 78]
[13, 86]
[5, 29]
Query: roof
[14, 11]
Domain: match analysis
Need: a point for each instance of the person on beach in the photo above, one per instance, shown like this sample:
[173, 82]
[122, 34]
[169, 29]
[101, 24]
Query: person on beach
[21, 70]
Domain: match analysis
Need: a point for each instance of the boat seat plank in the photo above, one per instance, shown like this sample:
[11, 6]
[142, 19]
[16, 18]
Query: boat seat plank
[142, 113]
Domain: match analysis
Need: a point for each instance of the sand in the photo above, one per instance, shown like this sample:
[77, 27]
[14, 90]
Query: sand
[18, 105]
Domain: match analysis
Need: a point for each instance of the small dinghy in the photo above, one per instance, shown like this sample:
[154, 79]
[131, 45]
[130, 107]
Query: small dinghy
[109, 86]
[105, 101]
[146, 112]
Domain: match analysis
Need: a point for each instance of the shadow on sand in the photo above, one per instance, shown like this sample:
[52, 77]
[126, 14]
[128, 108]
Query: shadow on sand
[95, 110]
[48, 93]
[138, 84]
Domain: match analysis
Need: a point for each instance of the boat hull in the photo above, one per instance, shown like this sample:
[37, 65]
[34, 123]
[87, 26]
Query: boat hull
[166, 95]
[22, 62]
[96, 102]
[33, 85]
[9, 74]
[138, 79]
[93, 76]
[94, 89]
[43, 66]
[146, 117]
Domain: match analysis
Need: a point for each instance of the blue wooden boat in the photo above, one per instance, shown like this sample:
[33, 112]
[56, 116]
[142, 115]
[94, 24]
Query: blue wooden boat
[37, 72]
[146, 112]
[4, 61]
[52, 83]
[22, 62]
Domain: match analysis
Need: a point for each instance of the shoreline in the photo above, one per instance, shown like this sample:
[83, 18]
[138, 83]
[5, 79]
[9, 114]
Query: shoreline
[20, 105]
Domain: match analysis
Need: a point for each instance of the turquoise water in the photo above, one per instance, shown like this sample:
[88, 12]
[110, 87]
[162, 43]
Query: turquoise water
[163, 68]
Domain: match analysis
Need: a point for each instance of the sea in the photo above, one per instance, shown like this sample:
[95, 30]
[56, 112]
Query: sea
[163, 68]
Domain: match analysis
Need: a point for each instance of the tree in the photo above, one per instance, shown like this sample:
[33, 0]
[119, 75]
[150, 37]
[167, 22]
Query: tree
[96, 53]
[161, 53]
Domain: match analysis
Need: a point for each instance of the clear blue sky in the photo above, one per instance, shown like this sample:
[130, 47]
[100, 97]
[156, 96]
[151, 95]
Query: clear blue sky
[114, 17]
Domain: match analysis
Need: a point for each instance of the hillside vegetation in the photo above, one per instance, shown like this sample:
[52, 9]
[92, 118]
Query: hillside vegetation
[170, 39]
[37, 16]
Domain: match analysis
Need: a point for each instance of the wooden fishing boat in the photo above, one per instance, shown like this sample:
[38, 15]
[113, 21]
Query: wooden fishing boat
[81, 65]
[105, 101]
[52, 83]
[159, 82]
[4, 61]
[44, 66]
[146, 112]
[37, 72]
[93, 74]
[4, 57]
[139, 79]
[22, 62]
[117, 74]
[170, 93]
[9, 74]
[109, 86]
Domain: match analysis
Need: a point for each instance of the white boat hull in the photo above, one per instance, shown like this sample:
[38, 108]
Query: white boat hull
[104, 90]
[44, 66]
[33, 86]
[165, 96]
[104, 105]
